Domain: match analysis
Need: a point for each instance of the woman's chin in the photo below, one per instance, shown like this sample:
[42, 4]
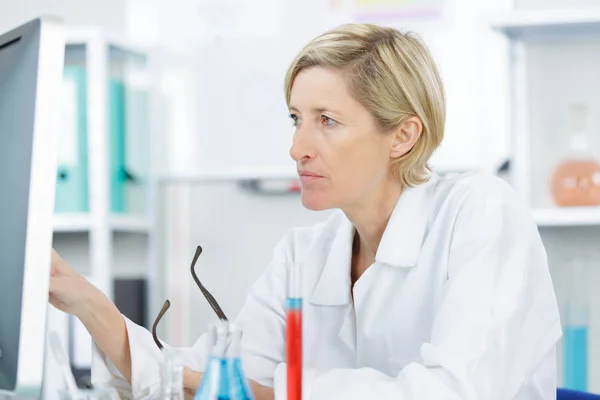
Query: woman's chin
[314, 202]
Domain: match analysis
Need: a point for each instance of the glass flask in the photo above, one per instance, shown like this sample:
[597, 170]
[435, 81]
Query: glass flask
[172, 375]
[224, 377]
[576, 180]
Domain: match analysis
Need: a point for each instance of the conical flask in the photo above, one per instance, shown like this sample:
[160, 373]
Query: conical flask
[224, 377]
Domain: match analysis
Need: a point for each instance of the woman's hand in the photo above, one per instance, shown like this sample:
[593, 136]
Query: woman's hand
[69, 291]
[73, 294]
[191, 381]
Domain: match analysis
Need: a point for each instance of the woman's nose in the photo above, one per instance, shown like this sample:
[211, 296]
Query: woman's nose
[302, 146]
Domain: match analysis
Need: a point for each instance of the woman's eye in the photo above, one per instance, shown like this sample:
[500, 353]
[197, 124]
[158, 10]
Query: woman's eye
[326, 121]
[295, 119]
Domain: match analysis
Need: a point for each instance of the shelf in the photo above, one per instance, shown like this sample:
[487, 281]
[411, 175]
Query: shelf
[72, 223]
[86, 35]
[567, 216]
[231, 174]
[536, 24]
[127, 223]
[68, 223]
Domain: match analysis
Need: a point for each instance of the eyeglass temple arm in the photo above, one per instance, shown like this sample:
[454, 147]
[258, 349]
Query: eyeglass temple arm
[162, 312]
[209, 297]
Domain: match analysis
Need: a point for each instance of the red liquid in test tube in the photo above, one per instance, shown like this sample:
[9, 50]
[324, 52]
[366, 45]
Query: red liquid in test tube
[294, 333]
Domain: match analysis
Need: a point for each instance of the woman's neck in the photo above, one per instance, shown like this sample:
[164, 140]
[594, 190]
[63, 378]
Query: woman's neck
[370, 217]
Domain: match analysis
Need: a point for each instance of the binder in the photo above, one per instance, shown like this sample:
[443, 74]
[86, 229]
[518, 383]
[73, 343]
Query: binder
[128, 147]
[72, 193]
[118, 174]
[137, 149]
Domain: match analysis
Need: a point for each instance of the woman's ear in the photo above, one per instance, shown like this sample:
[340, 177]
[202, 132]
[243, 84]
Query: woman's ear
[405, 137]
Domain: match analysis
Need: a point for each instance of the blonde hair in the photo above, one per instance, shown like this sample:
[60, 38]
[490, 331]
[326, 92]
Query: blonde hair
[390, 73]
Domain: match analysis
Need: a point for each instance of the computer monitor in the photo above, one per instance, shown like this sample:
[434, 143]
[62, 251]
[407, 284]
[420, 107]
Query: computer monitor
[31, 67]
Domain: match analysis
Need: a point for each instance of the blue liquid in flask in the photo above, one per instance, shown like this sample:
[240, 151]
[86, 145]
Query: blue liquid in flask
[224, 377]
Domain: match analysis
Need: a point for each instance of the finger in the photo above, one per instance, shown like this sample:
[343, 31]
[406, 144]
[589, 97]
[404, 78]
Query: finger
[56, 303]
[55, 285]
[59, 265]
[61, 285]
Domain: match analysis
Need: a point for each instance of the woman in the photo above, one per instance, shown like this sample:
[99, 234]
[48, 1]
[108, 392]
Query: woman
[419, 287]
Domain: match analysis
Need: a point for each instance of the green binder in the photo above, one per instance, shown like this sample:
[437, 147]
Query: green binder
[128, 148]
[72, 194]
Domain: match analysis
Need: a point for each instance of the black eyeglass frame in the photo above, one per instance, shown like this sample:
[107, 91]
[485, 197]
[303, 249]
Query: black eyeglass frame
[207, 295]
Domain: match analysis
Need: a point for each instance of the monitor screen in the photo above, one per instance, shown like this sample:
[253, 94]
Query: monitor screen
[18, 66]
[27, 154]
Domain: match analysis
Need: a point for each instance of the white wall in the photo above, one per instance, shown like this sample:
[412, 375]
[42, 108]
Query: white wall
[235, 111]
[237, 231]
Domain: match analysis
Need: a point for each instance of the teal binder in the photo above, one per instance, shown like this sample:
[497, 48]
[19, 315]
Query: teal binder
[72, 194]
[137, 149]
[128, 148]
[118, 174]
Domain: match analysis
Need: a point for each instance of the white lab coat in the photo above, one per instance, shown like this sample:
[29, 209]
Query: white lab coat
[459, 304]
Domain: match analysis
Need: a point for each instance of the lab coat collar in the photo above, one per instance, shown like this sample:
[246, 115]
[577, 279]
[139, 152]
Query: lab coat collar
[404, 234]
[333, 286]
[400, 244]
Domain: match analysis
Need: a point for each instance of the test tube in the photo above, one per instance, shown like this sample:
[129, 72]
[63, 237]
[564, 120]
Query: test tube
[575, 330]
[294, 332]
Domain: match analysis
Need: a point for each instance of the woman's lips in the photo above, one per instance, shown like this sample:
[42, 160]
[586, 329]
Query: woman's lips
[307, 176]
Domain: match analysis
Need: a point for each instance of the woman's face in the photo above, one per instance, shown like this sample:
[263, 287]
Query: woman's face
[340, 152]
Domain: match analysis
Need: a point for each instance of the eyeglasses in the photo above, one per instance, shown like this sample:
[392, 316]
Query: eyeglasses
[209, 297]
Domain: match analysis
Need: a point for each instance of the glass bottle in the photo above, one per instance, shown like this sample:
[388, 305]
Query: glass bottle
[224, 377]
[172, 375]
[576, 180]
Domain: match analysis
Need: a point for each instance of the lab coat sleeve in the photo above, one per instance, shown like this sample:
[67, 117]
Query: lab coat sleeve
[496, 322]
[145, 364]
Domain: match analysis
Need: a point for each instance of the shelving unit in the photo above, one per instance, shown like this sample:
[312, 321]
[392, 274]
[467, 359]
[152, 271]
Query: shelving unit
[68, 223]
[232, 174]
[567, 217]
[554, 58]
[556, 23]
[131, 224]
[79, 222]
[101, 244]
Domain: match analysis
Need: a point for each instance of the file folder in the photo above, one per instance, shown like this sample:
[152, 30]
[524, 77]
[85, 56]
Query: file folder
[128, 147]
[118, 174]
[72, 175]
